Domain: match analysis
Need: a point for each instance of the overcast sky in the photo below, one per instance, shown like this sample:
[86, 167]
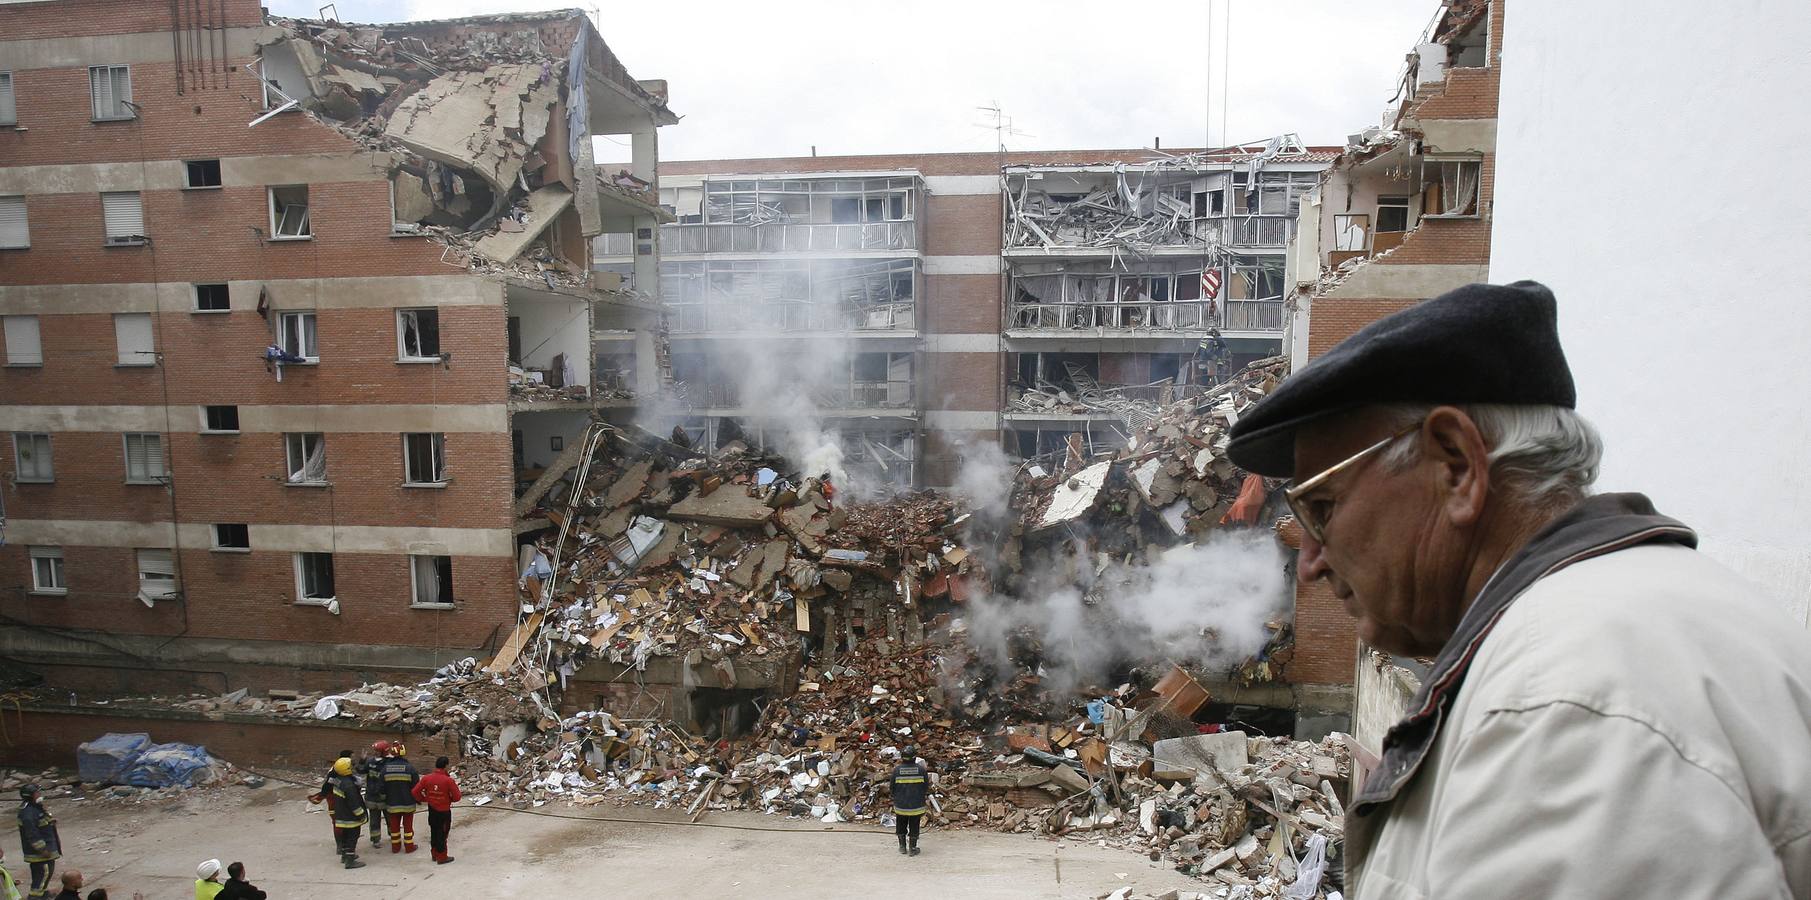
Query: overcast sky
[774, 78]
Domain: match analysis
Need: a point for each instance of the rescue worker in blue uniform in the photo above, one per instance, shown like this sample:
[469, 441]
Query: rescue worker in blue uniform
[399, 798]
[38, 838]
[910, 786]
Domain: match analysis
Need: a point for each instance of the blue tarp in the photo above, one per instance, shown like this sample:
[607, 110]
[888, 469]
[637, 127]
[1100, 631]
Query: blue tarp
[163, 765]
[106, 758]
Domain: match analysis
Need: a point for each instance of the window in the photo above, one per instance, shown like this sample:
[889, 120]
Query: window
[22, 347]
[8, 112]
[31, 457]
[144, 459]
[306, 453]
[47, 571]
[212, 298]
[132, 332]
[296, 335]
[289, 213]
[432, 579]
[201, 173]
[1351, 233]
[220, 419]
[124, 215]
[1452, 187]
[232, 536]
[424, 458]
[156, 575]
[314, 578]
[15, 234]
[110, 87]
[418, 334]
[845, 210]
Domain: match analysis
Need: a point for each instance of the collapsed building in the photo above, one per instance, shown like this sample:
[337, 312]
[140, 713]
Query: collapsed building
[327, 290]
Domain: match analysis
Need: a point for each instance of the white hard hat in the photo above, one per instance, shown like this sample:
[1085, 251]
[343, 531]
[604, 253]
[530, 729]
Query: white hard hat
[208, 869]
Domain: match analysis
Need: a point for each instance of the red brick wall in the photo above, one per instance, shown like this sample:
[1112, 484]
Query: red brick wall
[251, 596]
[961, 304]
[962, 225]
[87, 18]
[1336, 318]
[968, 381]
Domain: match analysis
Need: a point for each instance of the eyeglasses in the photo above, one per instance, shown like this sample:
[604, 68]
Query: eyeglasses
[1314, 515]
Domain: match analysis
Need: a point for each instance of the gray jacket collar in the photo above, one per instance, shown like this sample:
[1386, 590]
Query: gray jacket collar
[1602, 524]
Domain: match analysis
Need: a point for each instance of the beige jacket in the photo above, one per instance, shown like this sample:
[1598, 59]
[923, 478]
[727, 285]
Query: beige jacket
[1636, 725]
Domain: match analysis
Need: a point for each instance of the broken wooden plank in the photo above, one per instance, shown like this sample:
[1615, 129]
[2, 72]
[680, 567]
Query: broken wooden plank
[512, 648]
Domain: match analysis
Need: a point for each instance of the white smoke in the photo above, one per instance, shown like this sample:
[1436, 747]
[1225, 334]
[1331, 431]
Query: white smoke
[1200, 605]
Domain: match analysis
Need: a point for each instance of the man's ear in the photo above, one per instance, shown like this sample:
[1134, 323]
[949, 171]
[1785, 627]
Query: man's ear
[1451, 440]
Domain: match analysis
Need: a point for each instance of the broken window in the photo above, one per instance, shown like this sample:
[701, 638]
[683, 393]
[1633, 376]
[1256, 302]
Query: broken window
[232, 536]
[1351, 233]
[156, 575]
[15, 233]
[222, 419]
[47, 571]
[8, 112]
[432, 578]
[144, 459]
[110, 88]
[306, 454]
[22, 345]
[132, 335]
[212, 298]
[201, 173]
[314, 578]
[845, 210]
[289, 213]
[1452, 187]
[424, 458]
[418, 333]
[296, 334]
[31, 457]
[123, 215]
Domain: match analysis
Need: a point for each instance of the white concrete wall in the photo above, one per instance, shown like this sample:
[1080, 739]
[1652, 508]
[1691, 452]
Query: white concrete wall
[1681, 306]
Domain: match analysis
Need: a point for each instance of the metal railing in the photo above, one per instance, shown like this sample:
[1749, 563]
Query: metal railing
[777, 237]
[703, 318]
[1153, 315]
[1254, 315]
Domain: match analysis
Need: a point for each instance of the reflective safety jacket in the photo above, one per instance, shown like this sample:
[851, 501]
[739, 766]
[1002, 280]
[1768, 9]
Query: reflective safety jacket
[438, 790]
[911, 784]
[371, 769]
[348, 804]
[399, 785]
[38, 833]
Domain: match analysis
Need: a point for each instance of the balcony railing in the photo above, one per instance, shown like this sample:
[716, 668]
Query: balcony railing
[703, 318]
[1254, 315]
[776, 237]
[1178, 315]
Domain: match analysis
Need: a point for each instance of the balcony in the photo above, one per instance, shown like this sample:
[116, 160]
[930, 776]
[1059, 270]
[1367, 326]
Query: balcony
[781, 237]
[1156, 209]
[852, 397]
[1180, 315]
[787, 316]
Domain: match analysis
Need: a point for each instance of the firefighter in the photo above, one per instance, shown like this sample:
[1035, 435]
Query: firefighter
[347, 804]
[399, 798]
[38, 837]
[371, 770]
[910, 786]
[325, 792]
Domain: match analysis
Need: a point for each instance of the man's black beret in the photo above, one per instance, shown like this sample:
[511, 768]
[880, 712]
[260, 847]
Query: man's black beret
[1482, 343]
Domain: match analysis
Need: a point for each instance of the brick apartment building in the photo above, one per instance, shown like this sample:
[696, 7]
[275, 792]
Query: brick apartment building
[268, 391]
[1403, 215]
[951, 309]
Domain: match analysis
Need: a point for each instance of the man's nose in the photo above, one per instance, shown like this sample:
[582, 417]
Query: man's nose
[1311, 563]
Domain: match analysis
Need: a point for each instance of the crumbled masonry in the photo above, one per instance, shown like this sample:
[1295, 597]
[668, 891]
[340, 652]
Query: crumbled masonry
[731, 560]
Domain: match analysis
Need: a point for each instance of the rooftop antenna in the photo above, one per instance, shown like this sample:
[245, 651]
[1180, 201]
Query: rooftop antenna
[1001, 123]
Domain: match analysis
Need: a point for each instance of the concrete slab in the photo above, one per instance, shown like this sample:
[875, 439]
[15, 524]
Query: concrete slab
[544, 206]
[726, 505]
[1225, 751]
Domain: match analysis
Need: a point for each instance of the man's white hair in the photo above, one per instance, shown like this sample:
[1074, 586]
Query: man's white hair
[1545, 456]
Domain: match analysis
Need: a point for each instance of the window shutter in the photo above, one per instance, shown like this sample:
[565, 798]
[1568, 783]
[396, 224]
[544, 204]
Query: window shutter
[100, 88]
[14, 232]
[8, 113]
[132, 331]
[124, 213]
[22, 345]
[144, 456]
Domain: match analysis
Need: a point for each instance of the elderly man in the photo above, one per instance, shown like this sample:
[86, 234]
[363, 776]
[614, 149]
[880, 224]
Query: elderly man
[1611, 714]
